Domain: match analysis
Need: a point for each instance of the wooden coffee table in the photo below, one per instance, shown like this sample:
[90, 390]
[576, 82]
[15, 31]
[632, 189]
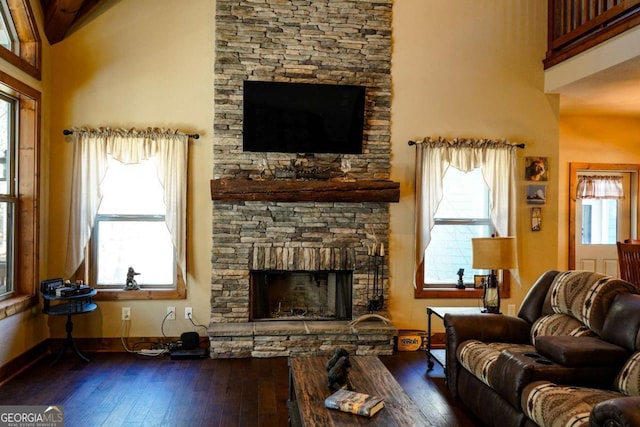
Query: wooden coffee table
[308, 390]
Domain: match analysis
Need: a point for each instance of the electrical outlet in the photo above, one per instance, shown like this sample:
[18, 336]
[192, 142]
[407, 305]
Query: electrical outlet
[511, 309]
[188, 313]
[171, 313]
[126, 313]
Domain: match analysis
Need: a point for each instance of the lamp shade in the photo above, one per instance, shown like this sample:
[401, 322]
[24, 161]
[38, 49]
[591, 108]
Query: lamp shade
[494, 253]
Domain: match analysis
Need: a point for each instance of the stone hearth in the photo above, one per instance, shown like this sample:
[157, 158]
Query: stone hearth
[301, 338]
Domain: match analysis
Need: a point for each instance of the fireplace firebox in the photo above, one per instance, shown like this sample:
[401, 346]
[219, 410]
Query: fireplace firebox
[300, 295]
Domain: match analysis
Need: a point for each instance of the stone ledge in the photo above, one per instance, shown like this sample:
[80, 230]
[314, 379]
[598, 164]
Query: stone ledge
[295, 338]
[231, 329]
[320, 327]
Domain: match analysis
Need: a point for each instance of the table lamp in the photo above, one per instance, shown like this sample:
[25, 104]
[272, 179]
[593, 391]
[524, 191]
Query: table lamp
[493, 253]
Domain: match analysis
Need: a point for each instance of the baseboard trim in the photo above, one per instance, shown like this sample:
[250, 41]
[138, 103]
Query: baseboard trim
[22, 362]
[111, 344]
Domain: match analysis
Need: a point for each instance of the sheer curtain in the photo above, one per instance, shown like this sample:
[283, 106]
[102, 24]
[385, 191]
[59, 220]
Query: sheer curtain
[92, 147]
[497, 159]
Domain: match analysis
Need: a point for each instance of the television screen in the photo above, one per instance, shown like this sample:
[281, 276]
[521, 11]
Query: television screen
[303, 117]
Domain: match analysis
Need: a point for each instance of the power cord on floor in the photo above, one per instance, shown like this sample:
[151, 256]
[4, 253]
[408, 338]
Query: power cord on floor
[156, 348]
[150, 352]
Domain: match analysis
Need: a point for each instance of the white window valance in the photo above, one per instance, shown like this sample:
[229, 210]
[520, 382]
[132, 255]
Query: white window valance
[92, 147]
[599, 187]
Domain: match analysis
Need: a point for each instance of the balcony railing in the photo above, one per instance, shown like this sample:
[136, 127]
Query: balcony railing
[578, 25]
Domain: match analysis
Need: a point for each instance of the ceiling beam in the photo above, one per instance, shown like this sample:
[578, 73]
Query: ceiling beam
[60, 15]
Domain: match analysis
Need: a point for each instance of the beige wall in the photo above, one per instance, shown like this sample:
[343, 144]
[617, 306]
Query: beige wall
[463, 68]
[596, 139]
[459, 69]
[142, 63]
[470, 69]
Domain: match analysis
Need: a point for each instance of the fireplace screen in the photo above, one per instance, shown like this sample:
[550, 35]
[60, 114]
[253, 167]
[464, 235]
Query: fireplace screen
[301, 295]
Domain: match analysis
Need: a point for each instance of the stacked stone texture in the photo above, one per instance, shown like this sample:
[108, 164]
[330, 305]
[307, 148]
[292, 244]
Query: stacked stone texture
[313, 41]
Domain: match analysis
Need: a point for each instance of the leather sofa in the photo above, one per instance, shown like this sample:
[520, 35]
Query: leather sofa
[571, 356]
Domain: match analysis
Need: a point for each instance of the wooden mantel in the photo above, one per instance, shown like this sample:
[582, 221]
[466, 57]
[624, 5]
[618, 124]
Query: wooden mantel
[305, 191]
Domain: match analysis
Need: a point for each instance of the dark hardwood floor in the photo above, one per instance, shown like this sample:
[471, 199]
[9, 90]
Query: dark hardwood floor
[120, 389]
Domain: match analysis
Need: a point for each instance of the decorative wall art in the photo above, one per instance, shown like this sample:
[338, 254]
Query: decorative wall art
[536, 219]
[536, 194]
[536, 168]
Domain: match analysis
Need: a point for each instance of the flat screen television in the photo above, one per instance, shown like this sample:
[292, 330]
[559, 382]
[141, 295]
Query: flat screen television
[303, 117]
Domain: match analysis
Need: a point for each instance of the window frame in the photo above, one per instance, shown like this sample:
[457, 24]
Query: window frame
[26, 265]
[29, 57]
[95, 252]
[11, 195]
[450, 290]
[10, 27]
[111, 293]
[468, 292]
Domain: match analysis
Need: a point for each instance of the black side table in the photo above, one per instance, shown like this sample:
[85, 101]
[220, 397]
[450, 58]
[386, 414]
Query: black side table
[439, 355]
[69, 306]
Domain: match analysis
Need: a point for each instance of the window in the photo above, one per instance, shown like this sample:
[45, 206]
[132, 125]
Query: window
[19, 161]
[462, 214]
[8, 198]
[19, 38]
[599, 221]
[128, 207]
[8, 35]
[19, 197]
[130, 229]
[464, 188]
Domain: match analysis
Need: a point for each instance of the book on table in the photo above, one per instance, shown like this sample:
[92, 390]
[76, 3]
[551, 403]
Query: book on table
[354, 402]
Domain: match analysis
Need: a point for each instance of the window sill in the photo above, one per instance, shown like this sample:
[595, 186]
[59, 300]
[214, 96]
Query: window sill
[448, 293]
[455, 293]
[451, 292]
[142, 294]
[16, 304]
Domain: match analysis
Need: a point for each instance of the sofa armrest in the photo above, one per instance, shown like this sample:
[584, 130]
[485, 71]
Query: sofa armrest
[483, 327]
[621, 411]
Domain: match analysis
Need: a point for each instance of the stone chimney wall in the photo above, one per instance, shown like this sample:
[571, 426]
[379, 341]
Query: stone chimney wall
[312, 41]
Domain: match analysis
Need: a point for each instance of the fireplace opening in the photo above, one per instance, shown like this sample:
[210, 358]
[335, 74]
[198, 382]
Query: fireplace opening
[300, 295]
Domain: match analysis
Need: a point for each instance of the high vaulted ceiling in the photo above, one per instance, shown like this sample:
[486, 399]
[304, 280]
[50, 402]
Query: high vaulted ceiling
[60, 15]
[614, 91]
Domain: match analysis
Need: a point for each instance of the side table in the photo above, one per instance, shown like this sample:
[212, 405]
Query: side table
[440, 354]
[69, 305]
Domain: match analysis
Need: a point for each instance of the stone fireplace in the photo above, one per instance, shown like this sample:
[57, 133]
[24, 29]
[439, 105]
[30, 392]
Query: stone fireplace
[321, 231]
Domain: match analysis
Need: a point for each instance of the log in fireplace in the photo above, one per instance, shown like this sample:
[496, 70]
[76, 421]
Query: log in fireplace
[300, 295]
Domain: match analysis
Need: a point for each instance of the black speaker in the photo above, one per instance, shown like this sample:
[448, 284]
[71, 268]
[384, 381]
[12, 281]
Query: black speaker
[190, 340]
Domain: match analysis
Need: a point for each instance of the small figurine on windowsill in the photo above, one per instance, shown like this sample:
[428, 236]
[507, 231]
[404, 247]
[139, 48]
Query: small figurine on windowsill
[460, 284]
[131, 284]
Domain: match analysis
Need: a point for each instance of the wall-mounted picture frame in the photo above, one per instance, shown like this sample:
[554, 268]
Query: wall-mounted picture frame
[479, 280]
[536, 219]
[536, 169]
[536, 194]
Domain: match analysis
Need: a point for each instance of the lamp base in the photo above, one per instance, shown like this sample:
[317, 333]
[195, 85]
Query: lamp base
[492, 310]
